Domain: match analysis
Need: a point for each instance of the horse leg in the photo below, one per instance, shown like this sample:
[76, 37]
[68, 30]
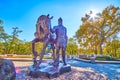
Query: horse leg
[53, 49]
[33, 47]
[49, 48]
[34, 52]
[42, 53]
[63, 55]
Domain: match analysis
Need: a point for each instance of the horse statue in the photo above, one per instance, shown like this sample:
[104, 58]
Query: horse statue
[43, 34]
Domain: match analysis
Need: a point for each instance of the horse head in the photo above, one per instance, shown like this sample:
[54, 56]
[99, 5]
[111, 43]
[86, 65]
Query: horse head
[43, 26]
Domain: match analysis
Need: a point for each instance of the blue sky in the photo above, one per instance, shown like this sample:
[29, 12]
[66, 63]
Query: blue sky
[24, 13]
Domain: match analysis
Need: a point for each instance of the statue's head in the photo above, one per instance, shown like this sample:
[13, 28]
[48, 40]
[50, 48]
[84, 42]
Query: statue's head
[60, 21]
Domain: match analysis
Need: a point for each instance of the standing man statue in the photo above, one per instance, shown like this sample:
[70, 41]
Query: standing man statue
[61, 41]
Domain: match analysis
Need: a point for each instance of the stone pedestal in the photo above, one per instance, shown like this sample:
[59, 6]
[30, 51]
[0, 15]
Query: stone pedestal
[48, 71]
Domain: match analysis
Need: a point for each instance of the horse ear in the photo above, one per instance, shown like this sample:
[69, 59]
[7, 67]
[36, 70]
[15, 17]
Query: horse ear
[51, 17]
[48, 15]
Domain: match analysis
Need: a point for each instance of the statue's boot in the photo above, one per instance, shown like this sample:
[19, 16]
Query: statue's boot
[64, 62]
[63, 58]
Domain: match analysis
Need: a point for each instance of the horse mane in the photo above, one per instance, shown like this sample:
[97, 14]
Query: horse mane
[41, 18]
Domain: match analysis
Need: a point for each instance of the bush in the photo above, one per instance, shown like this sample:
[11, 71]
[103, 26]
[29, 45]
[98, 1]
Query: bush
[47, 57]
[85, 58]
[105, 58]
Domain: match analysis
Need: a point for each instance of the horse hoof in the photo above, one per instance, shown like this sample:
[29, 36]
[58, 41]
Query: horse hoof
[64, 64]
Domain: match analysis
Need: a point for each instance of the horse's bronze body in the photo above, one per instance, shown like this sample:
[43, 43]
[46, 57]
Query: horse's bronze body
[43, 34]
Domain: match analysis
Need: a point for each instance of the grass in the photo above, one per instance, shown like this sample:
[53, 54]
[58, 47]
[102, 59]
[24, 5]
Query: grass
[16, 56]
[21, 56]
[103, 58]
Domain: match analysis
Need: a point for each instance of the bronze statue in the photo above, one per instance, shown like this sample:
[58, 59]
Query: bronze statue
[61, 40]
[44, 33]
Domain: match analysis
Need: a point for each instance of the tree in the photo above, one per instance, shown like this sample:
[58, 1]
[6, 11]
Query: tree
[4, 39]
[1, 21]
[98, 30]
[9, 41]
[14, 41]
[1, 30]
[113, 48]
[72, 47]
[24, 48]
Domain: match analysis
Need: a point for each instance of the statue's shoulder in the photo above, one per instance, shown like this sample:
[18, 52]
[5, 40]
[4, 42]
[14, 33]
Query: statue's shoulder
[64, 27]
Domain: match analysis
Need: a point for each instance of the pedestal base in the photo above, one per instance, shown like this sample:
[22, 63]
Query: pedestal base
[48, 71]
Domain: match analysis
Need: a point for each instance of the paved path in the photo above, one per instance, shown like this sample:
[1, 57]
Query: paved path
[111, 70]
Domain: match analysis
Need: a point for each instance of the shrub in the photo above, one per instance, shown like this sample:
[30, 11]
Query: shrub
[106, 58]
[47, 57]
